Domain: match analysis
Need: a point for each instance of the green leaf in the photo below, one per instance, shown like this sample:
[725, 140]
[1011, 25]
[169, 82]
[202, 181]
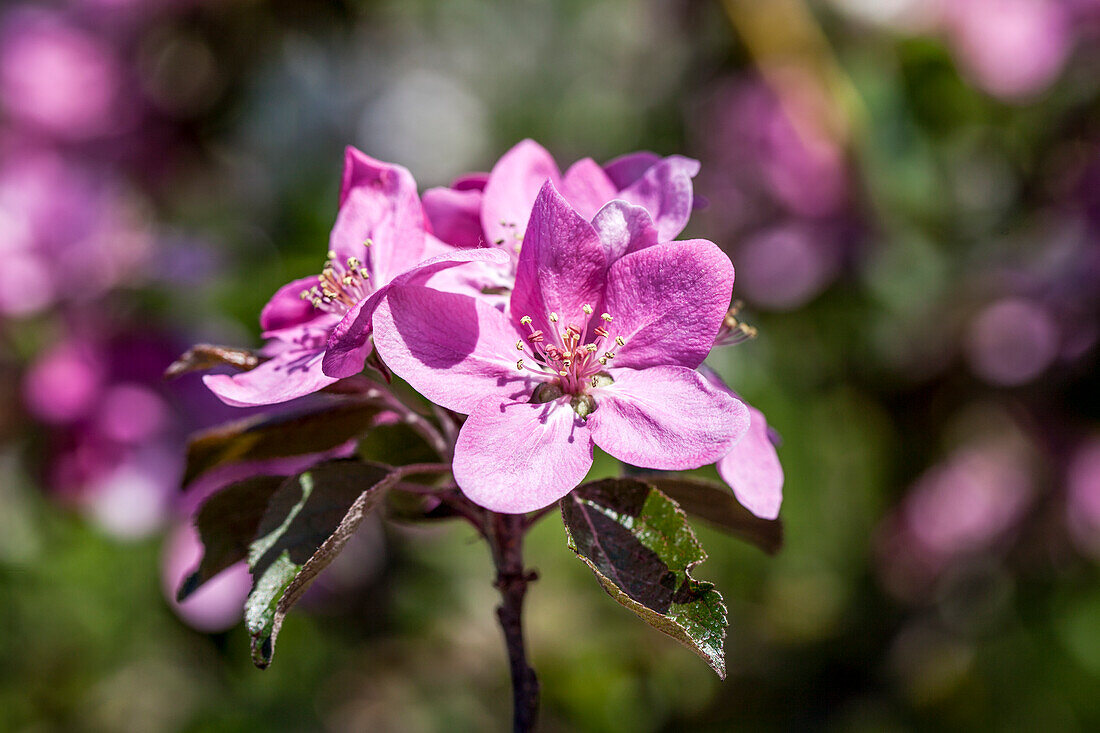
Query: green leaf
[289, 434]
[716, 505]
[307, 522]
[227, 524]
[638, 543]
[201, 357]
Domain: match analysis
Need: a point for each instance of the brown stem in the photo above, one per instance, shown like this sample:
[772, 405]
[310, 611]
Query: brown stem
[506, 540]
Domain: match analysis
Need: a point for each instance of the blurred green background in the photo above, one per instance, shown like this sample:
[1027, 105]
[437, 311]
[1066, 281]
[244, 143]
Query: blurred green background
[909, 190]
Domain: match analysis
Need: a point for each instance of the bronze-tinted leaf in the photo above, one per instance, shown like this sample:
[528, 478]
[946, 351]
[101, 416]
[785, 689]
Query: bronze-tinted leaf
[308, 520]
[277, 436]
[716, 505]
[227, 524]
[201, 357]
[638, 543]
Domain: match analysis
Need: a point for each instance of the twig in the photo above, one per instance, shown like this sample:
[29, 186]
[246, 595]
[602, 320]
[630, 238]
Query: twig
[506, 541]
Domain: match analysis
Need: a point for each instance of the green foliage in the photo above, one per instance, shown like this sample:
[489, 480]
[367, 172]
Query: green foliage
[641, 548]
[307, 522]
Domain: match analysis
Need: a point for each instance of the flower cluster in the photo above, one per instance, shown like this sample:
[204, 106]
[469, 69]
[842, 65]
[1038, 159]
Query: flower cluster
[543, 313]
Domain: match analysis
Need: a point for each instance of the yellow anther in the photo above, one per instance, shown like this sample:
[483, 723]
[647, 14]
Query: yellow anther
[519, 346]
[563, 373]
[587, 309]
[368, 242]
[519, 364]
[526, 320]
[349, 280]
[606, 317]
[602, 360]
[590, 347]
[331, 254]
[553, 317]
[620, 340]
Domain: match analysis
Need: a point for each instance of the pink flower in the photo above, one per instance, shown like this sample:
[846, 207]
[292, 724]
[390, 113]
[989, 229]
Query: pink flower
[594, 350]
[752, 468]
[318, 327]
[56, 77]
[494, 209]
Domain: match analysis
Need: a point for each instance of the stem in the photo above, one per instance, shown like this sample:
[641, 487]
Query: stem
[506, 541]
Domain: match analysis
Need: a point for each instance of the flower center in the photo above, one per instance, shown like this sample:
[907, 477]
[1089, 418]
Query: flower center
[340, 285]
[564, 356]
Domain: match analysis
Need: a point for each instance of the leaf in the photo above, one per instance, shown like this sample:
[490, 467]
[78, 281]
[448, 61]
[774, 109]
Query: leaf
[638, 543]
[201, 357]
[308, 520]
[716, 505]
[395, 445]
[409, 506]
[227, 524]
[277, 436]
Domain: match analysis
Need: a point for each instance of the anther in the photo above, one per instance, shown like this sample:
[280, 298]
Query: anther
[519, 345]
[553, 317]
[526, 320]
[519, 365]
[368, 242]
[587, 309]
[606, 317]
[620, 340]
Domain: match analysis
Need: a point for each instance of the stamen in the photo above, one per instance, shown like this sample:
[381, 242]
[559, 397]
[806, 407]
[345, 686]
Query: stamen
[553, 317]
[587, 309]
[606, 317]
[526, 320]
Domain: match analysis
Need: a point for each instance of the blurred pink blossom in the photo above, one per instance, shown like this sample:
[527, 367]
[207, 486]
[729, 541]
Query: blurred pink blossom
[219, 604]
[1010, 48]
[1012, 341]
[57, 78]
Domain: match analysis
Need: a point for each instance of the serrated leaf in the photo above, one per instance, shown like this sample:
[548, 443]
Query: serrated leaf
[290, 434]
[307, 522]
[716, 505]
[641, 548]
[201, 357]
[227, 524]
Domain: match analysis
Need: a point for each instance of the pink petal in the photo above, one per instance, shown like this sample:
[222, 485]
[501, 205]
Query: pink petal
[665, 191]
[453, 349]
[513, 185]
[286, 308]
[381, 204]
[626, 169]
[624, 228]
[349, 344]
[293, 373]
[587, 187]
[753, 471]
[516, 457]
[455, 216]
[666, 417]
[470, 182]
[668, 302]
[561, 266]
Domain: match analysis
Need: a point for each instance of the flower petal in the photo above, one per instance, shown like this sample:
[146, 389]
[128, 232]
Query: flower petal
[587, 187]
[624, 228]
[455, 216]
[453, 349]
[753, 471]
[379, 202]
[562, 264]
[292, 373]
[349, 343]
[516, 457]
[513, 185]
[668, 302]
[628, 168]
[665, 191]
[286, 308]
[666, 417]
